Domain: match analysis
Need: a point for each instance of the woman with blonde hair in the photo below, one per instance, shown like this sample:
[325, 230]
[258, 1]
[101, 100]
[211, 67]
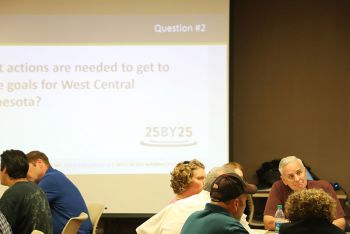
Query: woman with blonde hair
[187, 179]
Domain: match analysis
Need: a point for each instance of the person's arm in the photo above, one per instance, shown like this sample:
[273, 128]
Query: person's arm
[5, 227]
[245, 223]
[340, 223]
[154, 224]
[274, 199]
[9, 206]
[269, 222]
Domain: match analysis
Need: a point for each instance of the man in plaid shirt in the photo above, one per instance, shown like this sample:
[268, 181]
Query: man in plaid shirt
[5, 227]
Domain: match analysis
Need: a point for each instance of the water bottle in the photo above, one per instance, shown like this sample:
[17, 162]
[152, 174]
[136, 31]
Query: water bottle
[279, 218]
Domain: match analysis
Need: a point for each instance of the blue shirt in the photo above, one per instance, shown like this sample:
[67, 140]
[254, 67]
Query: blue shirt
[65, 200]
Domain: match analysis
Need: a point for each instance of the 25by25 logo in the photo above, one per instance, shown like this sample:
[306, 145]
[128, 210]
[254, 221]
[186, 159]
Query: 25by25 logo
[168, 131]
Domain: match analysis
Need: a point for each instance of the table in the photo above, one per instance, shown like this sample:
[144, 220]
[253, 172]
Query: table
[264, 193]
[260, 231]
[258, 202]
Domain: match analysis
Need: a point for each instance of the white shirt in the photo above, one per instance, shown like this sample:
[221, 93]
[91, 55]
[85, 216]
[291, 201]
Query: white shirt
[171, 218]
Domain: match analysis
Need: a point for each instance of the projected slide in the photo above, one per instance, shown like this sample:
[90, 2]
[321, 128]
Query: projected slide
[100, 101]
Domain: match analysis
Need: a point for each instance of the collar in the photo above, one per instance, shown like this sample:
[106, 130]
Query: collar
[216, 209]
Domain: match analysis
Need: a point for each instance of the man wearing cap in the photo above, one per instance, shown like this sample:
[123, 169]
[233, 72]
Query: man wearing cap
[171, 218]
[228, 200]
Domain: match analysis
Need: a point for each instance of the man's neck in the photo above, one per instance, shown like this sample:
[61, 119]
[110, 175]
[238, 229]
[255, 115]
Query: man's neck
[46, 168]
[14, 181]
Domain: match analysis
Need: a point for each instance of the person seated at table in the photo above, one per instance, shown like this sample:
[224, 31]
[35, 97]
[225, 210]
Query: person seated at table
[172, 217]
[293, 178]
[64, 197]
[228, 199]
[237, 167]
[310, 211]
[23, 204]
[187, 179]
[240, 171]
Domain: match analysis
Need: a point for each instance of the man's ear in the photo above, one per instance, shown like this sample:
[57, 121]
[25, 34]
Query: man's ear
[5, 171]
[283, 180]
[235, 204]
[39, 162]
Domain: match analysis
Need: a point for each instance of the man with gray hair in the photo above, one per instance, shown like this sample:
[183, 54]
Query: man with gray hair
[171, 218]
[293, 178]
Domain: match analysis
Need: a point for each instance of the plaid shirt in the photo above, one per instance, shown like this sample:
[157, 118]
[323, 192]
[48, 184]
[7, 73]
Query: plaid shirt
[5, 227]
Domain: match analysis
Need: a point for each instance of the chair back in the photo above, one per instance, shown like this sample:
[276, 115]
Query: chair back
[95, 212]
[73, 224]
[253, 221]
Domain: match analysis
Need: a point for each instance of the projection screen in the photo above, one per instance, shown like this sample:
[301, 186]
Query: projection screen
[116, 92]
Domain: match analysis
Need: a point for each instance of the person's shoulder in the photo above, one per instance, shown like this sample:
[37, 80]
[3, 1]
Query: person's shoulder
[310, 225]
[155, 222]
[21, 189]
[288, 227]
[20, 186]
[11, 190]
[194, 215]
[203, 195]
[54, 175]
[278, 183]
[162, 213]
[295, 227]
[54, 172]
[318, 184]
[192, 203]
[54, 178]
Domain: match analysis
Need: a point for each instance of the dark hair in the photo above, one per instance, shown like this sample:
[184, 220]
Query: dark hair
[35, 155]
[15, 162]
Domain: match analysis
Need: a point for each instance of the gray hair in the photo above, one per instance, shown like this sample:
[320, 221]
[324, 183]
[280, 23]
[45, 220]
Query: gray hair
[215, 173]
[289, 159]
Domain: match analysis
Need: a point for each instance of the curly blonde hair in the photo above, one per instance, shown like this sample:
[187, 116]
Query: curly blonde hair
[310, 203]
[182, 174]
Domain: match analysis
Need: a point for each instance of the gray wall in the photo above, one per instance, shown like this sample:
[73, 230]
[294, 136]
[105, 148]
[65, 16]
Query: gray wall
[291, 87]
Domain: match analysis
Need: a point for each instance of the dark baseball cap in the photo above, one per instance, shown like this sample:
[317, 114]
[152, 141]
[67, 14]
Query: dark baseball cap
[230, 186]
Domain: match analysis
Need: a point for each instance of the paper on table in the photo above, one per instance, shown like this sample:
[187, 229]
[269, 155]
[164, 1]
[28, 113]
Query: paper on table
[260, 231]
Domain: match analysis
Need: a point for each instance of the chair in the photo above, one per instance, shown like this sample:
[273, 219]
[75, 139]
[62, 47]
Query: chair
[73, 224]
[95, 212]
[252, 220]
[37, 232]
